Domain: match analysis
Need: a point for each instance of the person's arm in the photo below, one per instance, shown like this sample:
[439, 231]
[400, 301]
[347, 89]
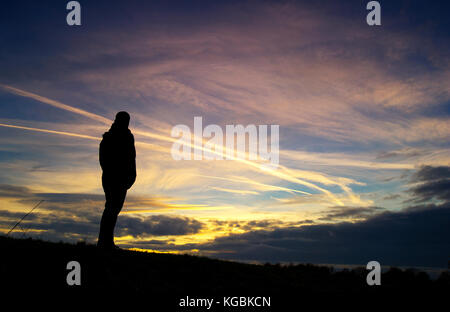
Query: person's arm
[134, 159]
[103, 154]
[133, 173]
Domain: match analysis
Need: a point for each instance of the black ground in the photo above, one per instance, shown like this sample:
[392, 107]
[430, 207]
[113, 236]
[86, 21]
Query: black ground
[37, 267]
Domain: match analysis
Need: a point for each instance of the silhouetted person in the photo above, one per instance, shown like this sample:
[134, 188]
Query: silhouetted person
[118, 162]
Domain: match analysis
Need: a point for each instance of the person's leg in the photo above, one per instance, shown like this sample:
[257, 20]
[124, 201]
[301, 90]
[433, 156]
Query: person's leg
[118, 199]
[115, 198]
[105, 238]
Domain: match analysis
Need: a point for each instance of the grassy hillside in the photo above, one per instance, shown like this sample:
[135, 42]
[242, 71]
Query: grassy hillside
[35, 266]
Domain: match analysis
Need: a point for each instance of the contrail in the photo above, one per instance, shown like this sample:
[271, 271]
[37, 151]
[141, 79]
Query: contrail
[150, 146]
[233, 191]
[248, 181]
[252, 165]
[56, 104]
[51, 131]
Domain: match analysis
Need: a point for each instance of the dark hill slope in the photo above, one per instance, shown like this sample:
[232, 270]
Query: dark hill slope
[33, 266]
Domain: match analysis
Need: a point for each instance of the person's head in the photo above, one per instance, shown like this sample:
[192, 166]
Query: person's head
[122, 120]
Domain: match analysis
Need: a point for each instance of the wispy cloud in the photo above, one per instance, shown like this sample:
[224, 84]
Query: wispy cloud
[283, 174]
[240, 192]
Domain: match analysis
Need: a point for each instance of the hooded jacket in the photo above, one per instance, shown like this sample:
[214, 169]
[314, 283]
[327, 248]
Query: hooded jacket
[118, 158]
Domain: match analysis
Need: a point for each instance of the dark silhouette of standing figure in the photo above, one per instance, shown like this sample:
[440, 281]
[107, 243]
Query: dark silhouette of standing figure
[118, 162]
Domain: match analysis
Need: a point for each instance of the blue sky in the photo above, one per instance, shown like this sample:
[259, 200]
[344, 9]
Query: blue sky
[363, 115]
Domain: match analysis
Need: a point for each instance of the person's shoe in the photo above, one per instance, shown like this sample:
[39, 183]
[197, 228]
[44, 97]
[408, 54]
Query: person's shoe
[108, 247]
[105, 246]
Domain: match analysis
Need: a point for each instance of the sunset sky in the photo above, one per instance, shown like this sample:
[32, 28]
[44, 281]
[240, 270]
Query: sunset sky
[363, 113]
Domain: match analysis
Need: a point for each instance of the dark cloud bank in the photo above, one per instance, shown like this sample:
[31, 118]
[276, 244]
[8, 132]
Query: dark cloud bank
[71, 217]
[418, 235]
